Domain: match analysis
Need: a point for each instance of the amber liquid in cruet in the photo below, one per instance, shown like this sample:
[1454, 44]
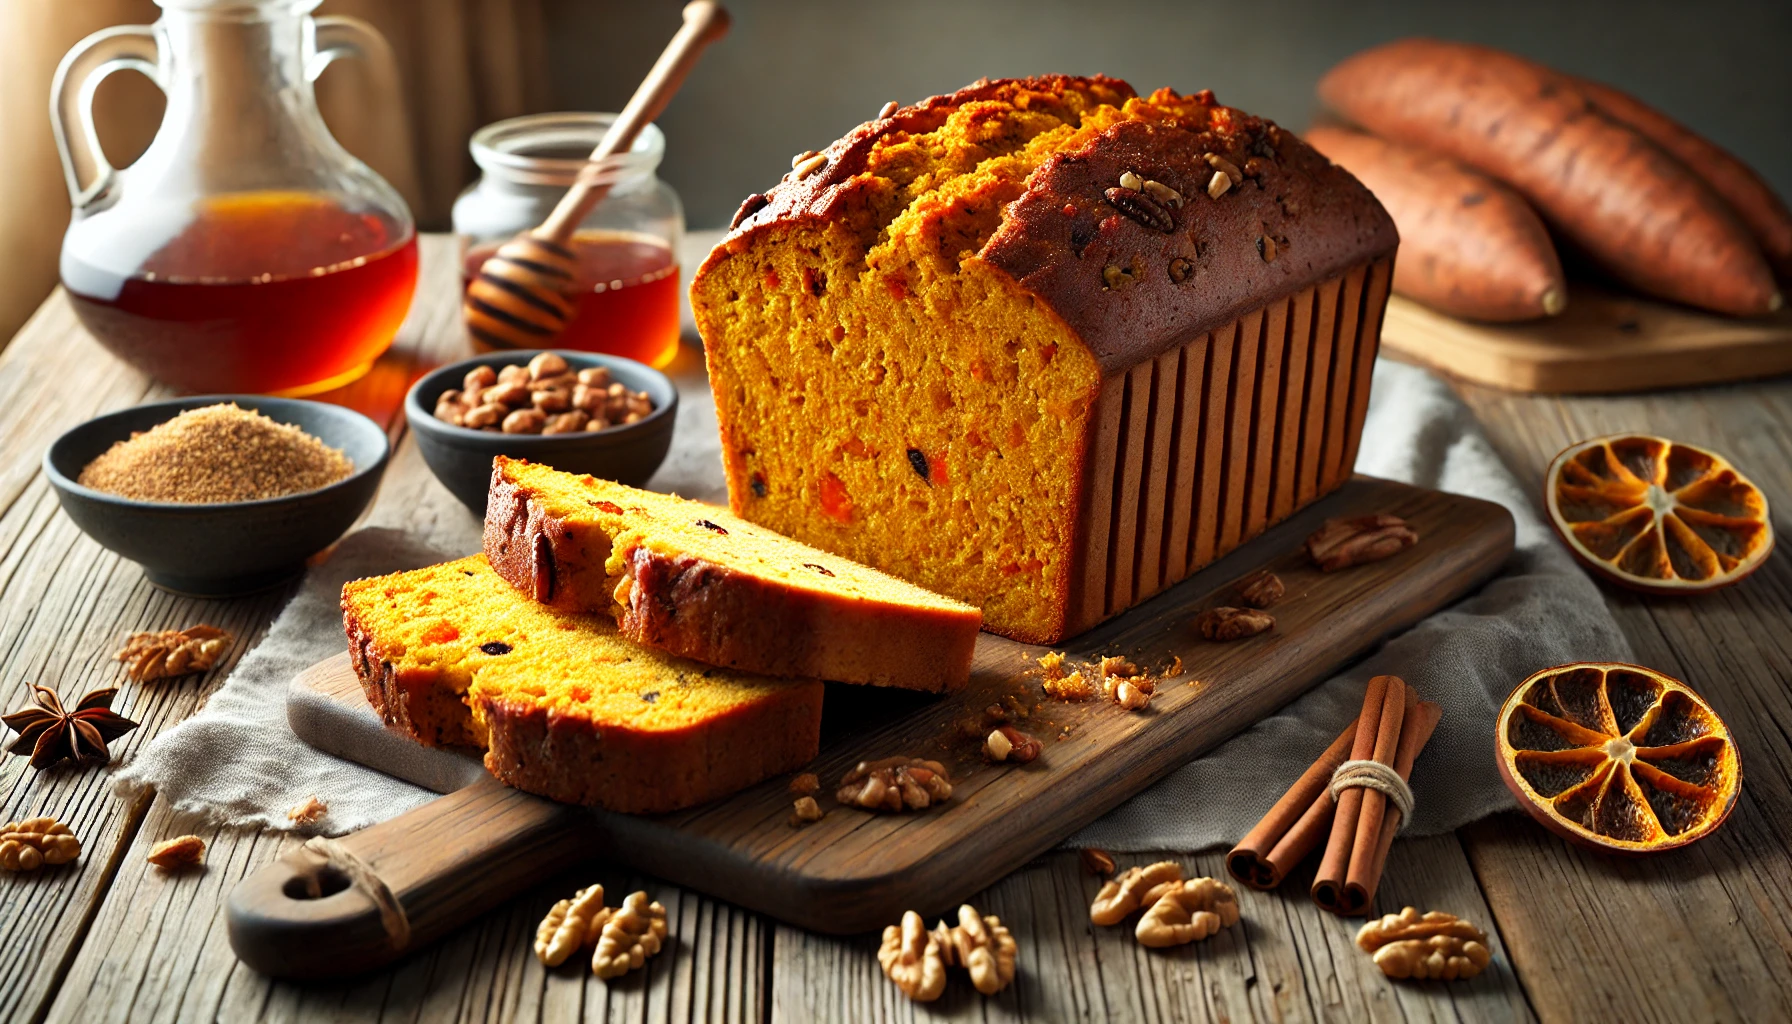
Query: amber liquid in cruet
[322, 292]
[627, 302]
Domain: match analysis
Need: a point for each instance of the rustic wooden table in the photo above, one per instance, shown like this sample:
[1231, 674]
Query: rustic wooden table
[1702, 934]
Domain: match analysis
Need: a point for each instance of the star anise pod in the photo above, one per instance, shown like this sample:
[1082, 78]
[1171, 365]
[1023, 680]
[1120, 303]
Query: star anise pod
[52, 734]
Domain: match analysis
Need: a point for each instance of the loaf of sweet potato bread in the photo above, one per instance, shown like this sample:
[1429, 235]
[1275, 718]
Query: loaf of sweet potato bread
[693, 580]
[564, 705]
[986, 343]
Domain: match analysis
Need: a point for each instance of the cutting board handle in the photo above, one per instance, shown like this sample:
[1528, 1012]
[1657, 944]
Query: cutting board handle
[350, 905]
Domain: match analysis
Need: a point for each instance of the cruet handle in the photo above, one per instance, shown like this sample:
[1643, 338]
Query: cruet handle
[337, 36]
[120, 48]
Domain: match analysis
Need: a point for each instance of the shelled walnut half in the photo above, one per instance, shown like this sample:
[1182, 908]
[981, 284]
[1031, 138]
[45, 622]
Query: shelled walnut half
[895, 784]
[911, 958]
[30, 844]
[1187, 913]
[1342, 543]
[571, 925]
[634, 932]
[980, 944]
[1432, 945]
[1132, 889]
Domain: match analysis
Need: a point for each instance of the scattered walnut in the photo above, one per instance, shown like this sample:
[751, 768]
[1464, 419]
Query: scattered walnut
[30, 844]
[1133, 888]
[1188, 913]
[571, 925]
[634, 932]
[1226, 623]
[805, 812]
[1006, 743]
[1260, 589]
[1099, 863]
[981, 945]
[1052, 664]
[172, 652]
[177, 853]
[1433, 945]
[1342, 543]
[1175, 668]
[308, 812]
[805, 784]
[895, 784]
[911, 958]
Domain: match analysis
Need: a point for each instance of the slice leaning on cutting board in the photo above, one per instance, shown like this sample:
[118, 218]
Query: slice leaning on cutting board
[1653, 205]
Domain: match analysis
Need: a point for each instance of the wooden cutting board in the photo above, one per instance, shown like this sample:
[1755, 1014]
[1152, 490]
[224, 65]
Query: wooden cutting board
[854, 871]
[1606, 341]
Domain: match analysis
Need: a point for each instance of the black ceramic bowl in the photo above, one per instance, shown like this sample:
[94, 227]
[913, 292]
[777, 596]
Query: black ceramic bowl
[228, 548]
[461, 457]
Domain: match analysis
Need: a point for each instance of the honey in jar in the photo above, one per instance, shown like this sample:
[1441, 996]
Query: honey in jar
[627, 299]
[331, 289]
[245, 250]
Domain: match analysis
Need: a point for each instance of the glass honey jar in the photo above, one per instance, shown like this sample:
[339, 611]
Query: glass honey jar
[628, 300]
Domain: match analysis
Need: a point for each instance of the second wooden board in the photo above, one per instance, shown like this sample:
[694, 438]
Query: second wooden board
[1605, 342]
[854, 871]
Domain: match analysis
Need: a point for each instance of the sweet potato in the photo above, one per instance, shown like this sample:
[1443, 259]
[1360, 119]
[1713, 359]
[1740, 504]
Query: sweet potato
[1761, 209]
[1639, 213]
[1469, 246]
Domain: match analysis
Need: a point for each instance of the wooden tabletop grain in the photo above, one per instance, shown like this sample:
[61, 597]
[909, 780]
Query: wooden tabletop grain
[1702, 934]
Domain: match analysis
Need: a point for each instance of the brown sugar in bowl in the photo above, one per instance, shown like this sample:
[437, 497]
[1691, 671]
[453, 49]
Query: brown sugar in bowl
[221, 548]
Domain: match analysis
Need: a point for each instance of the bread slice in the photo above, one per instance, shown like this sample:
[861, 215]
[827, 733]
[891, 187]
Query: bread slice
[566, 706]
[693, 580]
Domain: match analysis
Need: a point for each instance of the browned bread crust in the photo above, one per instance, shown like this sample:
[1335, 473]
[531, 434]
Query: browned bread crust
[414, 702]
[1290, 192]
[571, 760]
[698, 609]
[559, 749]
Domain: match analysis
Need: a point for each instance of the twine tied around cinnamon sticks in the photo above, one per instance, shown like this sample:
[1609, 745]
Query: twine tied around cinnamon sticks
[1355, 796]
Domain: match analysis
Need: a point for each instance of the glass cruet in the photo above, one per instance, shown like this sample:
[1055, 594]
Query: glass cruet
[246, 250]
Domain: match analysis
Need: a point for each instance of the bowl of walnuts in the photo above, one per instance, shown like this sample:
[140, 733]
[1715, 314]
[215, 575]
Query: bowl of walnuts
[580, 412]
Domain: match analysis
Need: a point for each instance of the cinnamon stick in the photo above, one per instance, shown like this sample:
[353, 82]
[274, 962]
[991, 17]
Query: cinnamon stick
[1361, 882]
[1294, 825]
[1377, 737]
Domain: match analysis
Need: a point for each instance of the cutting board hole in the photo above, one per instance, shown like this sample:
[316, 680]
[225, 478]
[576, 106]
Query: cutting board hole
[327, 881]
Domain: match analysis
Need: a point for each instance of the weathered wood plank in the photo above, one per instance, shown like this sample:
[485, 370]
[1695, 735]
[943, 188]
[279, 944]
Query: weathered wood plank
[1286, 960]
[1706, 931]
[158, 951]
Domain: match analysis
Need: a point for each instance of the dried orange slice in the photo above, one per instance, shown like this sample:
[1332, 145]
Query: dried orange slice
[1657, 515]
[1618, 757]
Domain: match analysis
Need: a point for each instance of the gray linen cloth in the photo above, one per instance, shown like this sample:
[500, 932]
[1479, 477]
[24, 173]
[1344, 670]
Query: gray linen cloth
[238, 762]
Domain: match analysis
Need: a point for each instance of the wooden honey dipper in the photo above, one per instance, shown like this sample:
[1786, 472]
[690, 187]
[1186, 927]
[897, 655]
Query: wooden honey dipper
[522, 295]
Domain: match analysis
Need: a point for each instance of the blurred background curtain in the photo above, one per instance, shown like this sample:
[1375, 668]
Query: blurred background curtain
[461, 64]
